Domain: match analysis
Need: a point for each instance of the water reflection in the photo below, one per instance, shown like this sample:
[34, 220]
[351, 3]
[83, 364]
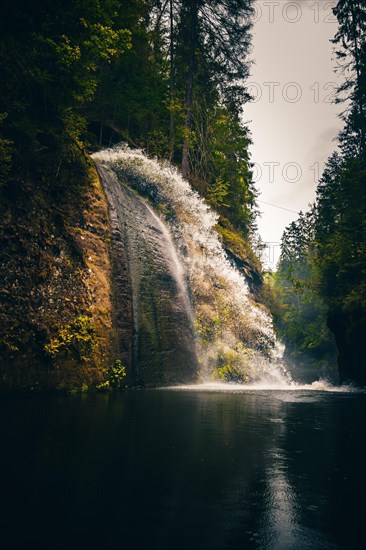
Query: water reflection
[182, 469]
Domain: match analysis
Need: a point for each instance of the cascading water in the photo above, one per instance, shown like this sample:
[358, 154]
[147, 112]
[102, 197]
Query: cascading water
[162, 340]
[234, 337]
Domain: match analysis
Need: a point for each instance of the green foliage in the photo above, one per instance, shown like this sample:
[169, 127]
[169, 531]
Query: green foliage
[89, 72]
[132, 94]
[293, 296]
[207, 326]
[50, 55]
[350, 52]
[230, 366]
[143, 96]
[115, 379]
[321, 275]
[231, 373]
[116, 375]
[341, 229]
[228, 145]
[217, 193]
[76, 338]
[237, 243]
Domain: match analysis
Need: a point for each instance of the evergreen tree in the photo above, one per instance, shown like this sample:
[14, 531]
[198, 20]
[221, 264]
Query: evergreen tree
[351, 55]
[336, 258]
[179, 93]
[213, 40]
[299, 309]
[50, 53]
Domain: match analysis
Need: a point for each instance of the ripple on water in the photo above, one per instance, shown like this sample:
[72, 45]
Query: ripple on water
[284, 392]
[319, 385]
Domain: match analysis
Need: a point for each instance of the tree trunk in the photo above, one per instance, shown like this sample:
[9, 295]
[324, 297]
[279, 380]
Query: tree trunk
[101, 133]
[189, 100]
[171, 84]
[359, 100]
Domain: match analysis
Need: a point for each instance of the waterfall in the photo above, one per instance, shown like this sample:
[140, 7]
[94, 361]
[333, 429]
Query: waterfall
[153, 296]
[168, 224]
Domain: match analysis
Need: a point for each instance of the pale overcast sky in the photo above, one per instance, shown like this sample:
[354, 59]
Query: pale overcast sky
[292, 119]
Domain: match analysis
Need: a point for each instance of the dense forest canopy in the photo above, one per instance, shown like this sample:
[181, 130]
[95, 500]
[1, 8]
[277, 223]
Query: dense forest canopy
[50, 54]
[166, 76]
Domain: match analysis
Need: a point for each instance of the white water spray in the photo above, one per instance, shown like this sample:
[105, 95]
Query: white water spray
[235, 334]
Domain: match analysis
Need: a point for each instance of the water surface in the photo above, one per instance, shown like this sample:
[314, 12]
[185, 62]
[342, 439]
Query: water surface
[185, 469]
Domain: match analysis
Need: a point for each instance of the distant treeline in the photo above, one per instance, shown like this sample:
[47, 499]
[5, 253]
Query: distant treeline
[321, 279]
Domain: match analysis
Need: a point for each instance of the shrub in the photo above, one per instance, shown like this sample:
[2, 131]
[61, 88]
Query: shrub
[76, 338]
[115, 378]
[116, 375]
[231, 367]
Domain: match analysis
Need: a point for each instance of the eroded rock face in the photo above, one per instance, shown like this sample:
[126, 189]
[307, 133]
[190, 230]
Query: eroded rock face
[152, 311]
[349, 328]
[55, 279]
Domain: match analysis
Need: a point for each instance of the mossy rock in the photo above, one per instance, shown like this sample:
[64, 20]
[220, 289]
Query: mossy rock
[240, 251]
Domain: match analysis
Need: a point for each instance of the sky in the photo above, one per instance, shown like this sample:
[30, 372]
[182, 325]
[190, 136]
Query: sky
[292, 118]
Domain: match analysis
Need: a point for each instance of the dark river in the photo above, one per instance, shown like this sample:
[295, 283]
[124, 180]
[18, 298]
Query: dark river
[163, 469]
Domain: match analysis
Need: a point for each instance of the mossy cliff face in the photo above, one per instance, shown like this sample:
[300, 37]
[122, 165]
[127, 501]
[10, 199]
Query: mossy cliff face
[241, 253]
[85, 284]
[348, 325]
[55, 294]
[154, 322]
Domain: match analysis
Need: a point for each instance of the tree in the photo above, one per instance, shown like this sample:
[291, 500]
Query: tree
[213, 40]
[351, 55]
[50, 53]
[336, 257]
[179, 92]
[299, 309]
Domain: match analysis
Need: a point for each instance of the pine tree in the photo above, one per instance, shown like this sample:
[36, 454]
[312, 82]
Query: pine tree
[50, 53]
[213, 40]
[351, 55]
